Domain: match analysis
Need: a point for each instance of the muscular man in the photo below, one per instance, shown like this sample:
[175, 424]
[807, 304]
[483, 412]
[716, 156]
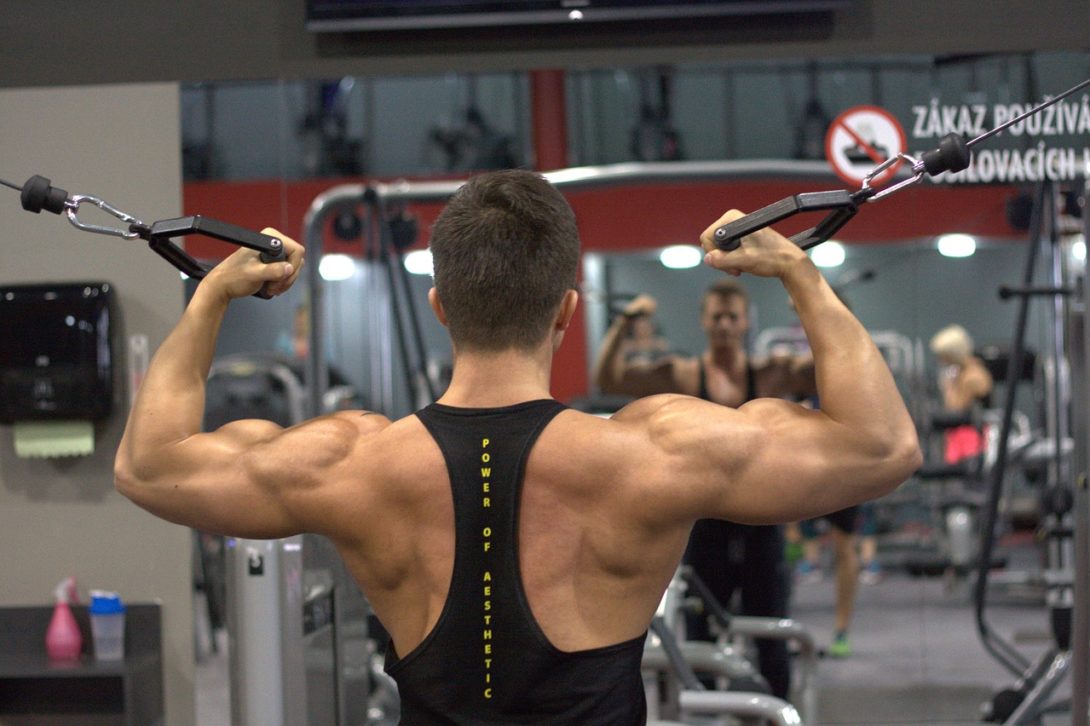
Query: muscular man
[514, 549]
[726, 555]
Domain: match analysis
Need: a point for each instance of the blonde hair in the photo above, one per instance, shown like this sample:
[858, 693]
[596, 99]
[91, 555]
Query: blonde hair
[952, 342]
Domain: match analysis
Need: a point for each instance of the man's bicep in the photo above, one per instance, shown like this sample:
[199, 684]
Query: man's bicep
[249, 478]
[805, 464]
[689, 457]
[771, 461]
[786, 457]
[301, 470]
[205, 482]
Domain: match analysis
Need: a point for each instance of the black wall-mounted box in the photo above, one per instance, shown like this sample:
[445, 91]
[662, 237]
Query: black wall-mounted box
[56, 351]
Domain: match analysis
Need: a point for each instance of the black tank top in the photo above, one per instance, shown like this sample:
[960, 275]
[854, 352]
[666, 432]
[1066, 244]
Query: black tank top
[487, 660]
[716, 545]
[751, 384]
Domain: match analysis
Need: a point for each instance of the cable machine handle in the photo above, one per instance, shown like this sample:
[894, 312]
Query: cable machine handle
[38, 193]
[843, 204]
[160, 233]
[271, 248]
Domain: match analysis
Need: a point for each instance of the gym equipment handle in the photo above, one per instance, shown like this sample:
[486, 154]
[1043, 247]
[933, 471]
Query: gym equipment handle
[160, 233]
[843, 204]
[38, 193]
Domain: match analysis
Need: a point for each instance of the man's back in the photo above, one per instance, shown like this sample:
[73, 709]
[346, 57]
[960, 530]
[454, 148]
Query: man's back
[592, 570]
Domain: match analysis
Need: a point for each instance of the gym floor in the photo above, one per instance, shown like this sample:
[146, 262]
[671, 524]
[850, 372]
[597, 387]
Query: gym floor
[916, 655]
[213, 686]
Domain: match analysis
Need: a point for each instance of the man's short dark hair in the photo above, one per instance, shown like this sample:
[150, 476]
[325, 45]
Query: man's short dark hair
[725, 287]
[504, 250]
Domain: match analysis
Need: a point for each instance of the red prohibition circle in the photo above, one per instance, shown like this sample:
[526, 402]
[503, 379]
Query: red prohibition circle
[840, 123]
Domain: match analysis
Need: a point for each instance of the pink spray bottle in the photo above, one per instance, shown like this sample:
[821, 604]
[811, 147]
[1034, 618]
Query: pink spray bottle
[63, 641]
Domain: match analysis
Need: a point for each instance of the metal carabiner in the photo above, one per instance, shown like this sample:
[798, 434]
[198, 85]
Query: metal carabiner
[71, 210]
[917, 174]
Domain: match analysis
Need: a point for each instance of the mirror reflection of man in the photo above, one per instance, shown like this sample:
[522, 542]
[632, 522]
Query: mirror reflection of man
[726, 555]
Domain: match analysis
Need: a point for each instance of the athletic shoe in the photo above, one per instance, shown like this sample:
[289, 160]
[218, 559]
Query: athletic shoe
[840, 647]
[806, 572]
[871, 574]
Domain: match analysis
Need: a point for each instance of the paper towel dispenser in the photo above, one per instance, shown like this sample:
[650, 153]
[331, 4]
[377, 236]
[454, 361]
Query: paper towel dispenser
[56, 354]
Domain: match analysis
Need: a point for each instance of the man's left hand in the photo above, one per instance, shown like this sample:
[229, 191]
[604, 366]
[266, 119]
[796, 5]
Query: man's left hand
[243, 273]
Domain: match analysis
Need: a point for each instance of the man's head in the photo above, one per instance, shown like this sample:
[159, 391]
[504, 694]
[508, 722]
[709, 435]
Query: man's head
[724, 313]
[505, 252]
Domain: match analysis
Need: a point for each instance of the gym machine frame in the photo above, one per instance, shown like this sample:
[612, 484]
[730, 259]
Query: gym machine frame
[667, 650]
[1067, 528]
[1080, 631]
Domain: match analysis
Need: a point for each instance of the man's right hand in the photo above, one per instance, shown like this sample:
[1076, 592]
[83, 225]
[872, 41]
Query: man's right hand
[765, 253]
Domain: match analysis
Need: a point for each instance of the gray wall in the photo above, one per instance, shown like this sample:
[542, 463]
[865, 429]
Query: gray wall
[63, 517]
[60, 43]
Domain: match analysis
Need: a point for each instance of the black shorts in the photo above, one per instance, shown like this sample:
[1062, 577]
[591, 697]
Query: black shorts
[846, 520]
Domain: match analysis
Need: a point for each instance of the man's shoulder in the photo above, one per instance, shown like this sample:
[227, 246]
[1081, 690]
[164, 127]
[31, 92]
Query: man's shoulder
[643, 411]
[684, 371]
[375, 435]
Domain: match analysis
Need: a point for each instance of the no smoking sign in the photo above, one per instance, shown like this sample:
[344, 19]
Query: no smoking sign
[860, 139]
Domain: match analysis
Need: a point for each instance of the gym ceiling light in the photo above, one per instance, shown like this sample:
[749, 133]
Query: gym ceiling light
[957, 245]
[830, 254]
[680, 257]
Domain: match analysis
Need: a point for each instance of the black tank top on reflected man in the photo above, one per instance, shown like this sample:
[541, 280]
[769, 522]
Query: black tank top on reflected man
[702, 385]
[487, 660]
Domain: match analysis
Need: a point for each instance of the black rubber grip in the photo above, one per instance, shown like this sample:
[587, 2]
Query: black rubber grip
[38, 194]
[953, 155]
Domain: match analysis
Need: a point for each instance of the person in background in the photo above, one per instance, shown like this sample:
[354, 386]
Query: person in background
[843, 525]
[870, 569]
[964, 382]
[644, 345]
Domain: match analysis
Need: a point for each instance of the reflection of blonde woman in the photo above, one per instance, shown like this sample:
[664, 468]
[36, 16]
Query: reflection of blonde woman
[964, 382]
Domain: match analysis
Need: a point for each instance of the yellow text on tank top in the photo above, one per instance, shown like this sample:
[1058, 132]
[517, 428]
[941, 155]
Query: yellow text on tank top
[486, 503]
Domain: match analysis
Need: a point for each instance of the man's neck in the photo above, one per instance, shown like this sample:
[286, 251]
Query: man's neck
[491, 379]
[727, 357]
